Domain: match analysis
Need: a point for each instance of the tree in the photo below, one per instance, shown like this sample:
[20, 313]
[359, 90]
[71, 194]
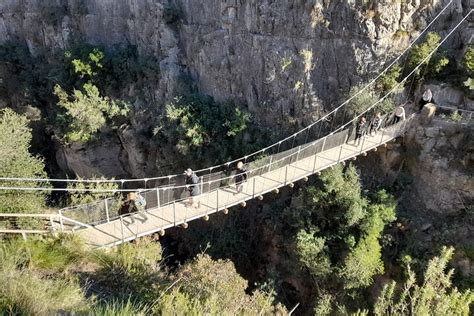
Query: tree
[390, 79]
[16, 161]
[311, 253]
[205, 286]
[86, 112]
[365, 260]
[197, 121]
[81, 197]
[363, 100]
[421, 51]
[435, 296]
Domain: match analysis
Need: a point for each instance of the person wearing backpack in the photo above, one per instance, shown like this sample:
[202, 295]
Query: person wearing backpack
[360, 130]
[375, 123]
[240, 177]
[192, 183]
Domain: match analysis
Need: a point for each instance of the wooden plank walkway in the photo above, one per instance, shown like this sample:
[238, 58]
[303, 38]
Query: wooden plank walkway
[129, 227]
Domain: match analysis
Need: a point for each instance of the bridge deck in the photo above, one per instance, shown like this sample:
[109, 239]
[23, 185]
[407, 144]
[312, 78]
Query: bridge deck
[139, 224]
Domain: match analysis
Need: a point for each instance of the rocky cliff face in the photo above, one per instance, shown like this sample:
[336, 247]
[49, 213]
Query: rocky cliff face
[288, 60]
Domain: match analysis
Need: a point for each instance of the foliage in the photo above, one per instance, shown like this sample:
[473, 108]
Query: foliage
[436, 63]
[390, 79]
[86, 112]
[205, 286]
[365, 260]
[25, 291]
[340, 196]
[310, 250]
[362, 100]
[80, 197]
[455, 116]
[197, 121]
[16, 161]
[469, 83]
[420, 51]
[131, 270]
[323, 306]
[337, 234]
[90, 67]
[434, 296]
[468, 60]
[119, 308]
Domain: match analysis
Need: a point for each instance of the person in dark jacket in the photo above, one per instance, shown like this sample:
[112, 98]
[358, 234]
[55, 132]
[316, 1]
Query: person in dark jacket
[375, 123]
[240, 177]
[192, 181]
[360, 130]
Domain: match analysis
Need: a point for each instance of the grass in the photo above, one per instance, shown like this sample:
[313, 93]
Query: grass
[26, 288]
[120, 308]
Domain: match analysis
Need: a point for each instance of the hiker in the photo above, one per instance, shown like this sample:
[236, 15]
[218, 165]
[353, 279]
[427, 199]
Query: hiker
[425, 99]
[240, 177]
[140, 202]
[135, 203]
[192, 182]
[399, 114]
[375, 123]
[360, 130]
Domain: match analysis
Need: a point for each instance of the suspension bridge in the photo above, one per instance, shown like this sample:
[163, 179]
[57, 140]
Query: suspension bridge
[321, 145]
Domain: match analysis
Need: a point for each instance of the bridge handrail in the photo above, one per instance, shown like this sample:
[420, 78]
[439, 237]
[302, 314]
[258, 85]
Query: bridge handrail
[254, 170]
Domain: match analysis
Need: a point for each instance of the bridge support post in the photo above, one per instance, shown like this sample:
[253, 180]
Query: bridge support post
[121, 226]
[107, 210]
[253, 189]
[340, 152]
[217, 201]
[362, 145]
[286, 174]
[61, 224]
[174, 213]
[158, 197]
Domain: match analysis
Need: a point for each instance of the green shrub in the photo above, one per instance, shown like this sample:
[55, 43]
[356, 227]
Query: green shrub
[311, 253]
[390, 79]
[119, 308]
[468, 60]
[131, 270]
[434, 296]
[210, 287]
[81, 197]
[455, 116]
[86, 112]
[363, 100]
[419, 52]
[196, 121]
[16, 161]
[27, 287]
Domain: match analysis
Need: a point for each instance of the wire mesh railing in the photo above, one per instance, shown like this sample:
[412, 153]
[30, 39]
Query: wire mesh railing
[109, 209]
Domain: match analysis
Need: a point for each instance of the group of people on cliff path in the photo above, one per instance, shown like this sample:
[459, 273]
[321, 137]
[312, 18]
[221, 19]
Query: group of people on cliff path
[363, 127]
[192, 183]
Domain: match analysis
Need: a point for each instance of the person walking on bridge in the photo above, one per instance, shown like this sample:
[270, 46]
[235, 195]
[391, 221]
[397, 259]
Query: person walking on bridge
[192, 183]
[375, 123]
[240, 177]
[360, 130]
[399, 114]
